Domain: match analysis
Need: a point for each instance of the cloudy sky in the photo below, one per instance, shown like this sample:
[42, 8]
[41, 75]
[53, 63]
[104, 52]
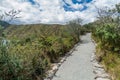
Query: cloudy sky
[54, 11]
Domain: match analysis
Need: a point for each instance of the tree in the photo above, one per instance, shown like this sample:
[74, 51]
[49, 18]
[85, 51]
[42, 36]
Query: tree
[105, 15]
[10, 15]
[74, 27]
[117, 10]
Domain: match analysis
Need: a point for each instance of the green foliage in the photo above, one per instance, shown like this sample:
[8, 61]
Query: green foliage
[31, 50]
[74, 27]
[88, 27]
[110, 35]
[107, 36]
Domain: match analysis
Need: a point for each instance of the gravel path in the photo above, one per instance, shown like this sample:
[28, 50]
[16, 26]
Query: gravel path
[78, 66]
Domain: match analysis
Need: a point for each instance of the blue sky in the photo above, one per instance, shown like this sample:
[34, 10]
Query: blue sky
[54, 11]
[32, 2]
[67, 6]
[84, 2]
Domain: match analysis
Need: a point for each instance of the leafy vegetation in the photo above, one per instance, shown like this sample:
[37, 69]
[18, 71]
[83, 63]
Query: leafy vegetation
[106, 33]
[27, 51]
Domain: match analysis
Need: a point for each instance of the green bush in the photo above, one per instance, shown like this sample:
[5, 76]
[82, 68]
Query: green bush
[31, 50]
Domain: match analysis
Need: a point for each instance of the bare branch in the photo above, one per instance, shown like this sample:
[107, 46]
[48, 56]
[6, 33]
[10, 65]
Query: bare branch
[12, 14]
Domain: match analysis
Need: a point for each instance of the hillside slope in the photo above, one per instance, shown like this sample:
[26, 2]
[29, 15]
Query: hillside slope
[4, 24]
[33, 48]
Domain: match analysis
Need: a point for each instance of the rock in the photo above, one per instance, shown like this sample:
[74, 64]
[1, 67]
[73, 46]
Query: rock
[68, 54]
[59, 64]
[97, 65]
[102, 79]
[55, 67]
[47, 79]
[62, 60]
[105, 75]
[50, 73]
[93, 60]
[99, 70]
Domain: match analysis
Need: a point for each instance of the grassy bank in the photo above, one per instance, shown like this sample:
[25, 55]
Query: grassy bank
[106, 33]
[107, 38]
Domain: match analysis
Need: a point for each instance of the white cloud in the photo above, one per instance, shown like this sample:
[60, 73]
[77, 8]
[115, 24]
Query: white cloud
[77, 6]
[79, 0]
[52, 11]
